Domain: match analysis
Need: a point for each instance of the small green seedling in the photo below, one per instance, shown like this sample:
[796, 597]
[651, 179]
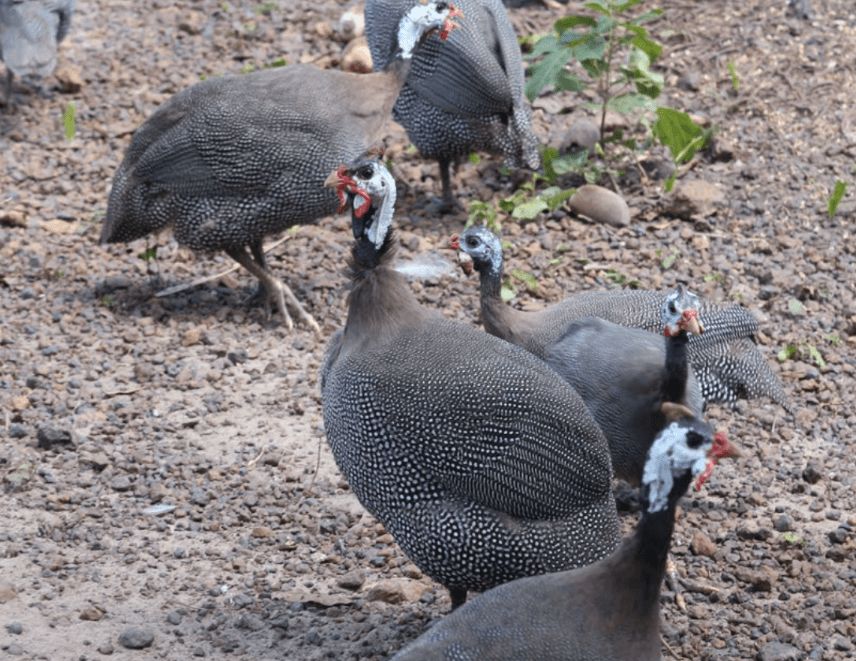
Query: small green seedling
[835, 198]
[735, 79]
[69, 120]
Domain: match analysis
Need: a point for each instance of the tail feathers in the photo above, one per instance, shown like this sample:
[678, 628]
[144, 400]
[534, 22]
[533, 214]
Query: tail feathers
[737, 370]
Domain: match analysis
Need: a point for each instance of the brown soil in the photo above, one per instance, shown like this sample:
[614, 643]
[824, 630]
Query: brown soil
[196, 401]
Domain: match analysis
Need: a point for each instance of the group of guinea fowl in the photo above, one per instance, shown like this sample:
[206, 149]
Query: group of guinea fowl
[488, 456]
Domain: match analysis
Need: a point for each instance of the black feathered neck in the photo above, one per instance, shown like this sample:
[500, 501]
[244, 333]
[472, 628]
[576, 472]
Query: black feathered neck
[365, 256]
[677, 368]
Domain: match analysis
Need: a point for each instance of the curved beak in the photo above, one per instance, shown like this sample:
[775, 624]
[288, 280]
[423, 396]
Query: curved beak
[449, 24]
[691, 323]
[723, 448]
[332, 180]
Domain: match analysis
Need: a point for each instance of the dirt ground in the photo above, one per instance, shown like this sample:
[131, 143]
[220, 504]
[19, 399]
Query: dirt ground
[163, 462]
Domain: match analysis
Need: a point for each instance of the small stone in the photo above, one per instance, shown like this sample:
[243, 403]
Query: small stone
[97, 459]
[20, 403]
[837, 536]
[779, 651]
[47, 437]
[199, 496]
[600, 205]
[69, 78]
[701, 544]
[120, 483]
[136, 638]
[841, 644]
[761, 579]
[13, 650]
[694, 198]
[396, 591]
[105, 648]
[17, 430]
[7, 592]
[583, 135]
[13, 219]
[191, 337]
[357, 57]
[690, 81]
[58, 226]
[174, 617]
[15, 628]
[783, 523]
[353, 580]
[811, 474]
[198, 651]
[261, 532]
[92, 613]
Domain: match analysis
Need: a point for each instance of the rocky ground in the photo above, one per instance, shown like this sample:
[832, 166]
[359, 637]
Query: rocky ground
[168, 492]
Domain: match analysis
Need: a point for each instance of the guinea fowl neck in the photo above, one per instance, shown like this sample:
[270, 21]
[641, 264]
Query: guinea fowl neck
[652, 540]
[399, 68]
[677, 368]
[494, 311]
[380, 298]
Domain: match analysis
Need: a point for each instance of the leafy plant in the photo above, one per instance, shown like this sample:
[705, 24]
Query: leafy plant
[735, 79]
[669, 260]
[804, 350]
[69, 120]
[149, 254]
[835, 198]
[614, 54]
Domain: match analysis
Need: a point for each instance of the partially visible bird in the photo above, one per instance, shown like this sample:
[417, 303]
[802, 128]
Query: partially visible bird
[725, 359]
[30, 31]
[467, 96]
[608, 610]
[234, 159]
[481, 461]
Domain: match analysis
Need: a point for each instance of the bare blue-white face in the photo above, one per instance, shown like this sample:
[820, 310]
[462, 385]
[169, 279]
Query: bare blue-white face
[680, 313]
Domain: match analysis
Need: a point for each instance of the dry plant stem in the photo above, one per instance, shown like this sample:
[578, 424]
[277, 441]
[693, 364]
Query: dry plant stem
[169, 291]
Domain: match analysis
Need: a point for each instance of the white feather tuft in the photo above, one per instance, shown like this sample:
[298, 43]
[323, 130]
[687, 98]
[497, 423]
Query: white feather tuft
[425, 267]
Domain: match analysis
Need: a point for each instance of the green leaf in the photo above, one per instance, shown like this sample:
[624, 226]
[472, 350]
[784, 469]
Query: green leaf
[651, 48]
[788, 352]
[816, 356]
[278, 62]
[249, 67]
[529, 209]
[589, 47]
[555, 196]
[599, 7]
[507, 291]
[545, 72]
[576, 20]
[529, 280]
[668, 261]
[624, 6]
[680, 134]
[792, 538]
[735, 80]
[796, 308]
[546, 44]
[149, 254]
[69, 120]
[834, 199]
[627, 103]
[474, 158]
[651, 15]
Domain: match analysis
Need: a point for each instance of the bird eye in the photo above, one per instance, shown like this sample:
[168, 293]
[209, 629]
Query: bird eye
[672, 307]
[472, 242]
[442, 6]
[365, 173]
[694, 439]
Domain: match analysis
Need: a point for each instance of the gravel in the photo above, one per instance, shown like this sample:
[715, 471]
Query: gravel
[115, 400]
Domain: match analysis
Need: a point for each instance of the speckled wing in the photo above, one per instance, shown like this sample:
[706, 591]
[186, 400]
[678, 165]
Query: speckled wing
[484, 419]
[463, 75]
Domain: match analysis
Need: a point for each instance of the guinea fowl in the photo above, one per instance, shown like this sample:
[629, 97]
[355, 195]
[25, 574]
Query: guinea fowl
[29, 34]
[725, 359]
[483, 464]
[465, 97]
[608, 610]
[233, 159]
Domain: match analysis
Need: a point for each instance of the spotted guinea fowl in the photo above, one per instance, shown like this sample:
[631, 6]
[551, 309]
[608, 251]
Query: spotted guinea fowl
[233, 159]
[608, 610]
[625, 374]
[467, 96]
[30, 31]
[479, 459]
[725, 359]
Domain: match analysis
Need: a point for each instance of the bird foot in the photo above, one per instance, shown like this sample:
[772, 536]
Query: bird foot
[301, 313]
[283, 299]
[674, 585]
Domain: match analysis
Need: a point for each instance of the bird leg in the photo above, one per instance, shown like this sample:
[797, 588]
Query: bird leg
[448, 204]
[273, 286]
[291, 299]
[458, 597]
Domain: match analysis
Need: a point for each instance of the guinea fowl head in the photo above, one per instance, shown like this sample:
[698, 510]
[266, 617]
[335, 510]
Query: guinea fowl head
[369, 189]
[687, 447]
[480, 248]
[680, 313]
[423, 18]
